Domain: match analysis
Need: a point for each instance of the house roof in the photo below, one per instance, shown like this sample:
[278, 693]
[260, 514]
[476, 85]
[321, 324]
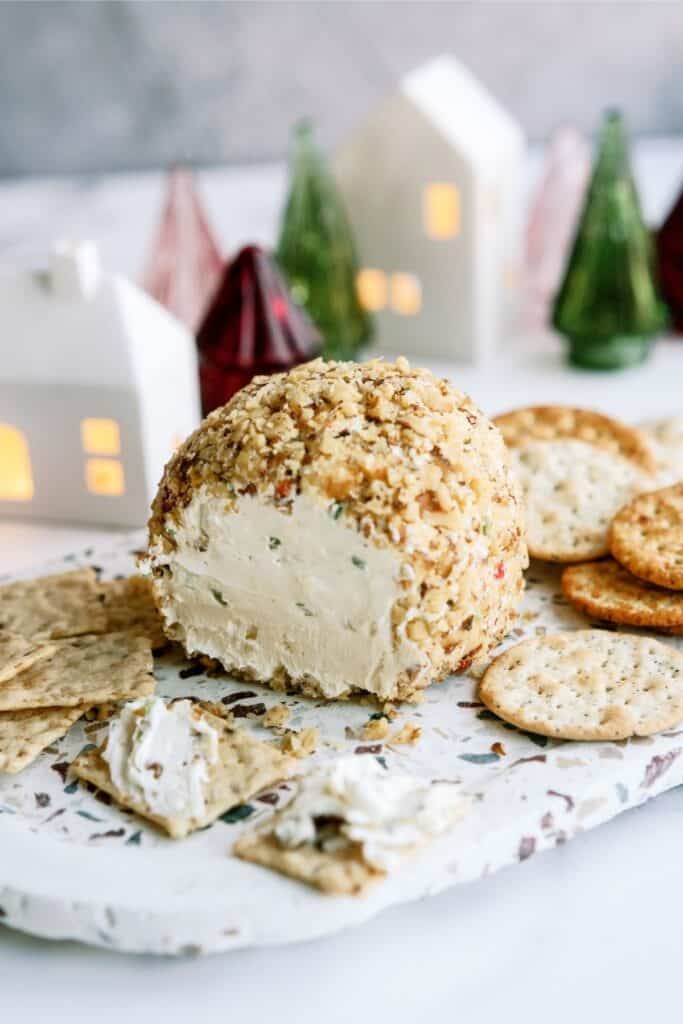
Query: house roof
[111, 335]
[464, 113]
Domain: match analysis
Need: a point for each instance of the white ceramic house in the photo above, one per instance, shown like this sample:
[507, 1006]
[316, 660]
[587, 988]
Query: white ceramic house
[433, 186]
[98, 383]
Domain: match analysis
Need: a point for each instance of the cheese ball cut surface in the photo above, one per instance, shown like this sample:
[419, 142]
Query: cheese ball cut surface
[340, 528]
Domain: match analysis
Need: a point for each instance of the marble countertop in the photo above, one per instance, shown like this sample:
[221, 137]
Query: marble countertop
[591, 930]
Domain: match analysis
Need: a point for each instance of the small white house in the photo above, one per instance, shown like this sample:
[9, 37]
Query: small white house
[98, 384]
[433, 186]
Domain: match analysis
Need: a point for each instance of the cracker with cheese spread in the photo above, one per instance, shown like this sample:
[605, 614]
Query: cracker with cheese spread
[179, 765]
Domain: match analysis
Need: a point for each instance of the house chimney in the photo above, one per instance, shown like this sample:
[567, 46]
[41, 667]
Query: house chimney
[74, 269]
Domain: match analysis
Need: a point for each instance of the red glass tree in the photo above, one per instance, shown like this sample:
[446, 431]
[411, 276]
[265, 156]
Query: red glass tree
[670, 261]
[252, 327]
[185, 262]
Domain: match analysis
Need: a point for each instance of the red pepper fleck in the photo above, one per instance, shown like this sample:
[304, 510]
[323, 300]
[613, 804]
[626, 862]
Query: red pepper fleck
[283, 488]
[500, 571]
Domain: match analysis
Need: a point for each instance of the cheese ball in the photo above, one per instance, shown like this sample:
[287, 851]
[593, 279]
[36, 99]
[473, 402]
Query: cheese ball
[342, 528]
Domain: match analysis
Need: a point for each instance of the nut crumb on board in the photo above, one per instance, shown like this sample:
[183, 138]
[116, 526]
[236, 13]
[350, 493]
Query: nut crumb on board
[408, 733]
[300, 744]
[375, 728]
[276, 716]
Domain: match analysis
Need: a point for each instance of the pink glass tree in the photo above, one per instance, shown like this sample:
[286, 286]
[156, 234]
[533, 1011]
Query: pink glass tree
[253, 326]
[553, 218]
[185, 262]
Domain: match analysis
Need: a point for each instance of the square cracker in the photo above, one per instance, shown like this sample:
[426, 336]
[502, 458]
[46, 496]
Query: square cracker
[24, 734]
[341, 873]
[18, 653]
[52, 607]
[129, 605]
[84, 669]
[245, 766]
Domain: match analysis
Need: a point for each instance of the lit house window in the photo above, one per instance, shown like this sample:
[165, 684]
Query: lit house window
[105, 477]
[441, 210]
[16, 479]
[101, 437]
[371, 285]
[406, 294]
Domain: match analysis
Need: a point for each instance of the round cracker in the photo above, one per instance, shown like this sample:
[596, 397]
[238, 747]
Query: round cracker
[607, 591]
[646, 536]
[666, 438]
[588, 685]
[560, 422]
[572, 492]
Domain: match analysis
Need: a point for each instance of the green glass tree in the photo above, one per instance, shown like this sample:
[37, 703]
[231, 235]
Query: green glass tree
[317, 254]
[608, 305]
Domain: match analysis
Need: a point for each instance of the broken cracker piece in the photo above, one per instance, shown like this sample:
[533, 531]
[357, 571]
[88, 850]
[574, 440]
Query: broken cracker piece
[352, 821]
[85, 669]
[24, 734]
[245, 766]
[342, 873]
[52, 607]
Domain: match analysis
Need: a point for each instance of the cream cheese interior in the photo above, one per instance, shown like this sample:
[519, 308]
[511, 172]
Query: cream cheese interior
[160, 755]
[260, 589]
[388, 814]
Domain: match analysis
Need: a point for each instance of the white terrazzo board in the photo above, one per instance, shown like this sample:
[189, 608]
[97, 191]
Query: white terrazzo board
[74, 867]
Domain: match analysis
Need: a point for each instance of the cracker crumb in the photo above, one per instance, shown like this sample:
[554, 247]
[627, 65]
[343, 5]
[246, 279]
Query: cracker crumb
[101, 712]
[408, 733]
[300, 744]
[276, 716]
[375, 728]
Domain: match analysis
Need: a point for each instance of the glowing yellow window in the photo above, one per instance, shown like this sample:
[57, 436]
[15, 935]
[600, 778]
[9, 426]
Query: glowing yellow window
[406, 294]
[441, 210]
[16, 479]
[371, 285]
[101, 437]
[105, 476]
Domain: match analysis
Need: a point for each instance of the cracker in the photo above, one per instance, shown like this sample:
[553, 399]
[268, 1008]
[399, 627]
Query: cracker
[587, 685]
[92, 669]
[646, 536]
[666, 438]
[572, 491]
[24, 734]
[342, 873]
[129, 605]
[245, 766]
[608, 591]
[559, 422]
[52, 607]
[17, 653]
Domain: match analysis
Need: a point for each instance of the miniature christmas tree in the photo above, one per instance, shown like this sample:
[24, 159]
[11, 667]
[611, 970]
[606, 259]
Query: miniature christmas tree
[185, 263]
[317, 254]
[252, 327]
[608, 305]
[670, 262]
[552, 222]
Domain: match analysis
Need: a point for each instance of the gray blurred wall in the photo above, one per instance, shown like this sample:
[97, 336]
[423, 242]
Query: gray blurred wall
[113, 85]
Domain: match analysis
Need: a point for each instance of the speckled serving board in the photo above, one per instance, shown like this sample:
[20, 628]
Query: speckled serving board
[72, 866]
